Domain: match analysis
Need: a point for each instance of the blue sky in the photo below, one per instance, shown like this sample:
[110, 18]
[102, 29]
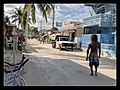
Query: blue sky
[63, 12]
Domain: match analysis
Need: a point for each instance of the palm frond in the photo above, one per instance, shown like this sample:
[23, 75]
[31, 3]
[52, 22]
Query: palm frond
[24, 12]
[41, 7]
[32, 7]
[13, 16]
[48, 9]
[45, 9]
[14, 20]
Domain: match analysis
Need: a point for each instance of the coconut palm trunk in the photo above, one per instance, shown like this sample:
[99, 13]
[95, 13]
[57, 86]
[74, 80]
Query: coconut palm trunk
[26, 28]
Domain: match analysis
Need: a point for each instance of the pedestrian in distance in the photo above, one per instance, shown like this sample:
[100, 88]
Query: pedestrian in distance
[94, 54]
[80, 45]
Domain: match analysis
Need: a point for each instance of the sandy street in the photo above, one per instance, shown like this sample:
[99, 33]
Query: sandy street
[52, 67]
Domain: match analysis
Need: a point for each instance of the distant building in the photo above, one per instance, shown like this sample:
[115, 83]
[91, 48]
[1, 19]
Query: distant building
[73, 29]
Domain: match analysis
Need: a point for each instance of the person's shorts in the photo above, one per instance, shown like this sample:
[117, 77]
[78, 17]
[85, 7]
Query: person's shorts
[96, 64]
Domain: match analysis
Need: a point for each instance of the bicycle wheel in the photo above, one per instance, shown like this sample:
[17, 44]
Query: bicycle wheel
[23, 82]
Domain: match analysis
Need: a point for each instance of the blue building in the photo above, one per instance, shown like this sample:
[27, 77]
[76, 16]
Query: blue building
[102, 23]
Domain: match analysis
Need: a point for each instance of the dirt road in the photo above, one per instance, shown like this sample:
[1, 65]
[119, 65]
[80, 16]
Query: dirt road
[51, 67]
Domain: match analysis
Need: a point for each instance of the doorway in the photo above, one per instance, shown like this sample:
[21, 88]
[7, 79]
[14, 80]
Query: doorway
[72, 36]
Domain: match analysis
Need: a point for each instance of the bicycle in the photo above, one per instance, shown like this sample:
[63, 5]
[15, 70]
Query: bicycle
[23, 71]
[13, 77]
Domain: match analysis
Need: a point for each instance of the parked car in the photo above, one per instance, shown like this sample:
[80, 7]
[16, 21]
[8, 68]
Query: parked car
[62, 42]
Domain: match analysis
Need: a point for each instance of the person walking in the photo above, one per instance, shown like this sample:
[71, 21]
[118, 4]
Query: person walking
[80, 45]
[94, 55]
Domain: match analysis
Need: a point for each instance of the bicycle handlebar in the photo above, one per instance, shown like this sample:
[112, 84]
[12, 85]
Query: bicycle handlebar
[23, 57]
[16, 69]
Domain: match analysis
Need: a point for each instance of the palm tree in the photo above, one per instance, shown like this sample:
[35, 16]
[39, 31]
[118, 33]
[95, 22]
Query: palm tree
[17, 14]
[6, 20]
[45, 9]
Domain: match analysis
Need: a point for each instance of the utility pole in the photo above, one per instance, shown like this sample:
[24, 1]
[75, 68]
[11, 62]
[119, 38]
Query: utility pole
[53, 16]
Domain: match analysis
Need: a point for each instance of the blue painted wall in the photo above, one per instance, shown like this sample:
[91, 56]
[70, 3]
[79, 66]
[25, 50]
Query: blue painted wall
[107, 42]
[94, 30]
